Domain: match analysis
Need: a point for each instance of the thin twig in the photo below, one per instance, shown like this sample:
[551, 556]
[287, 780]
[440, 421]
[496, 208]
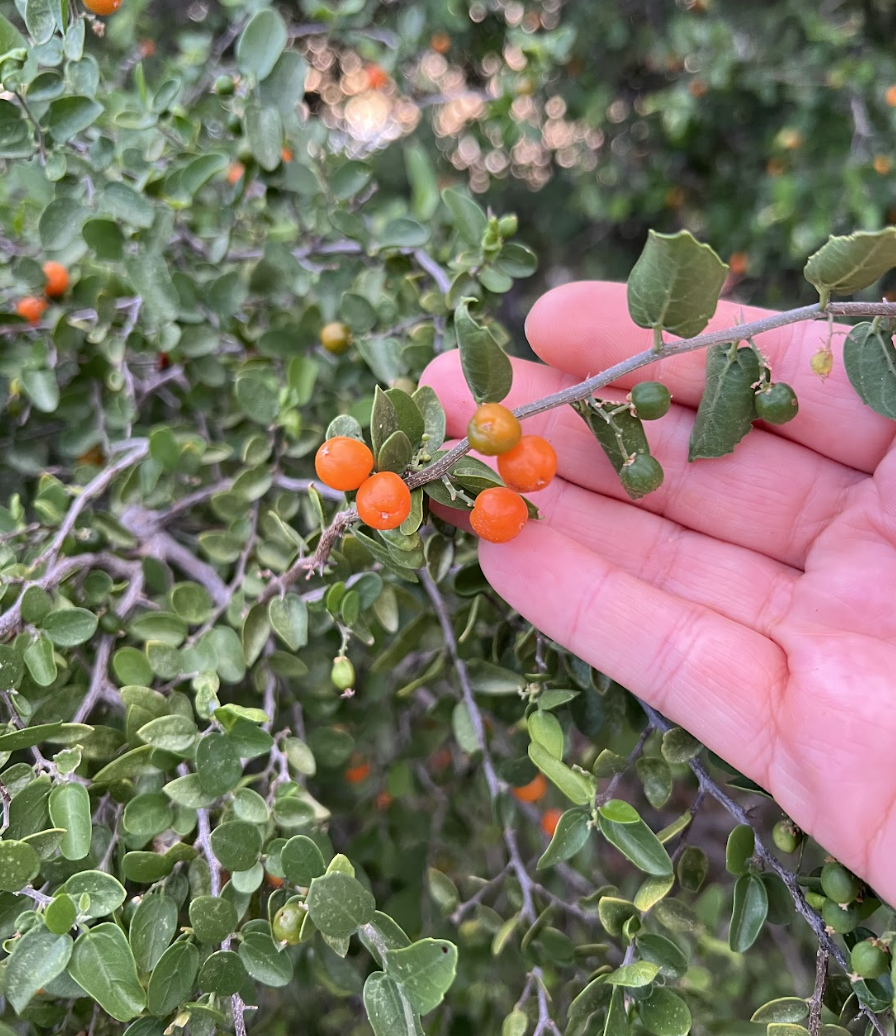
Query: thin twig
[815, 1002]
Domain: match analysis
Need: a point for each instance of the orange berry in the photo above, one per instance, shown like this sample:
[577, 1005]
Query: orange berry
[57, 279]
[882, 165]
[531, 792]
[147, 49]
[775, 167]
[890, 96]
[274, 881]
[103, 7]
[31, 308]
[739, 263]
[493, 430]
[549, 821]
[698, 88]
[93, 456]
[336, 338]
[358, 773]
[343, 463]
[674, 198]
[498, 515]
[376, 77]
[234, 172]
[529, 466]
[383, 801]
[440, 42]
[285, 154]
[439, 760]
[383, 501]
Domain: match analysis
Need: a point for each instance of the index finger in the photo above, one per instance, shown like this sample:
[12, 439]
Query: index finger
[584, 327]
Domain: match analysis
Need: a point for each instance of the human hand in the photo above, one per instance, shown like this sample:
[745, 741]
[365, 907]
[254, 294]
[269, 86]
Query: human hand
[748, 599]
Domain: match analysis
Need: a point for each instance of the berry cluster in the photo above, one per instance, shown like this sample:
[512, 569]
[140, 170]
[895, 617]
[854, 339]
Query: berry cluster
[383, 500]
[33, 307]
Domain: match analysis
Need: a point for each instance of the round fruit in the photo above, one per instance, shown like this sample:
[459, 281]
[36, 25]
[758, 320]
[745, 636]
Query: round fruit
[529, 466]
[531, 792]
[787, 836]
[343, 673]
[224, 86]
[493, 430]
[508, 225]
[31, 308]
[839, 919]
[383, 501]
[235, 172]
[777, 404]
[839, 884]
[287, 923]
[358, 773]
[343, 463]
[651, 400]
[103, 7]
[376, 77]
[642, 476]
[869, 959]
[549, 821]
[498, 515]
[336, 338]
[57, 279]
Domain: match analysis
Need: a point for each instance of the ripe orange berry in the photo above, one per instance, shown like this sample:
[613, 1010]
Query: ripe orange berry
[285, 154]
[440, 42]
[739, 263]
[698, 88]
[336, 338]
[234, 172]
[359, 772]
[31, 308]
[549, 821]
[273, 881]
[498, 515]
[890, 96]
[103, 7]
[531, 792]
[376, 77]
[57, 279]
[94, 456]
[529, 466]
[343, 463]
[383, 501]
[147, 49]
[493, 430]
[882, 165]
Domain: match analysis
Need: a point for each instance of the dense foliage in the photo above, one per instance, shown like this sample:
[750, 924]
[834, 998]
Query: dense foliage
[222, 762]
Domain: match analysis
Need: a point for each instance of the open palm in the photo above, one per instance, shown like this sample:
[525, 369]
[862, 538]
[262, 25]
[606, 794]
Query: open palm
[750, 599]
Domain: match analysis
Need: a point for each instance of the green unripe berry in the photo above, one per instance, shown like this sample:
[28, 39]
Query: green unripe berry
[642, 476]
[508, 225]
[869, 959]
[777, 404]
[651, 400]
[343, 673]
[110, 623]
[787, 836]
[840, 919]
[287, 923]
[816, 900]
[838, 884]
[224, 86]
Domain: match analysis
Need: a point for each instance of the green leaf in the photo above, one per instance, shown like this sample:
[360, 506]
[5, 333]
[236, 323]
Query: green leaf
[217, 764]
[784, 1009]
[170, 733]
[577, 787]
[675, 284]
[422, 177]
[395, 454]
[103, 966]
[69, 116]
[70, 627]
[728, 405]
[338, 905]
[679, 746]
[38, 957]
[424, 971]
[172, 978]
[19, 863]
[27, 737]
[748, 912]
[106, 894]
[236, 844]
[845, 265]
[301, 861]
[389, 1011]
[619, 437]
[652, 890]
[869, 357]
[60, 914]
[284, 88]
[617, 1018]
[255, 633]
[692, 868]
[40, 19]
[740, 848]
[261, 43]
[10, 37]
[223, 973]
[641, 973]
[42, 389]
[468, 217]
[349, 179]
[544, 728]
[289, 620]
[664, 1013]
[486, 366]
[152, 282]
[403, 232]
[264, 133]
[428, 404]
[662, 951]
[40, 661]
[212, 918]
[634, 839]
[656, 777]
[572, 832]
[151, 930]
[70, 809]
[12, 669]
[264, 962]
